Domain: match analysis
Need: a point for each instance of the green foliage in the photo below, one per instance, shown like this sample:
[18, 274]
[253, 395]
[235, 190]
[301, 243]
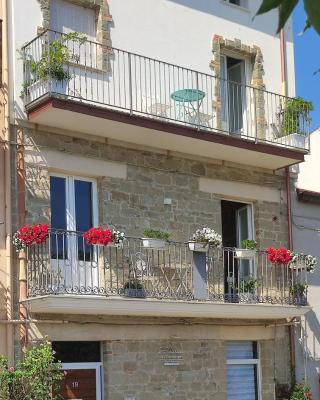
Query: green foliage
[155, 234]
[55, 56]
[296, 116]
[286, 7]
[249, 285]
[249, 244]
[301, 392]
[299, 290]
[37, 377]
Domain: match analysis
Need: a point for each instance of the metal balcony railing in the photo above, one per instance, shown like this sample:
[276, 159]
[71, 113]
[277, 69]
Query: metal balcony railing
[65, 264]
[139, 85]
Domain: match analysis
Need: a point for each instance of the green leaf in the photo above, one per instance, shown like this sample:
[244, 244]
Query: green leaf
[268, 5]
[307, 26]
[285, 10]
[312, 8]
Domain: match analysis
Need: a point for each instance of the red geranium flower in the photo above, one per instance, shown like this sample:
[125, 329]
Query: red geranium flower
[33, 234]
[280, 256]
[98, 236]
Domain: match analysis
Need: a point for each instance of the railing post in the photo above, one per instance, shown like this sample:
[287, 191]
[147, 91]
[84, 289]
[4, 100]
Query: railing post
[199, 276]
[130, 82]
[198, 102]
[255, 114]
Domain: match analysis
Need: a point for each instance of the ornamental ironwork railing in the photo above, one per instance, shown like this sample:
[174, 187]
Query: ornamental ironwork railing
[138, 85]
[65, 264]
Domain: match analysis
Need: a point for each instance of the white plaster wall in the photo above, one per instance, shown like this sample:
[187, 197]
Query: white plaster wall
[306, 235]
[176, 31]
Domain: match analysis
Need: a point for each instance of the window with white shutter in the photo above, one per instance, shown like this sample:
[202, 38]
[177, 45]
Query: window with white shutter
[242, 370]
[67, 17]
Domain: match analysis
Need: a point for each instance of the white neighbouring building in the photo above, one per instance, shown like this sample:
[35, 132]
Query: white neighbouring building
[306, 236]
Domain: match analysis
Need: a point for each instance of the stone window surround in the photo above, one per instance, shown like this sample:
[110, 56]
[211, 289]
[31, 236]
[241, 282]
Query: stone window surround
[103, 17]
[221, 45]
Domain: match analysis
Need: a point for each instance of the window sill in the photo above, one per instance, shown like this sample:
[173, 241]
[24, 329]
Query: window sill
[240, 8]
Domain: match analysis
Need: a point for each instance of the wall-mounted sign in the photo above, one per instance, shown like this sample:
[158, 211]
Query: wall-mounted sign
[169, 355]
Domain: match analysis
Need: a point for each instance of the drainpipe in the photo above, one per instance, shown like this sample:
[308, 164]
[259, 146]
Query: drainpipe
[21, 217]
[7, 176]
[284, 82]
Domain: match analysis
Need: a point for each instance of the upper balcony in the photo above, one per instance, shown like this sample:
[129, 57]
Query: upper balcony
[86, 87]
[65, 275]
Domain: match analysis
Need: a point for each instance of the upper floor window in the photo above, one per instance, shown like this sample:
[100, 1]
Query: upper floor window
[67, 17]
[240, 3]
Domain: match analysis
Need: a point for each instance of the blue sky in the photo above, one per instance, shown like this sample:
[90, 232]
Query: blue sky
[307, 61]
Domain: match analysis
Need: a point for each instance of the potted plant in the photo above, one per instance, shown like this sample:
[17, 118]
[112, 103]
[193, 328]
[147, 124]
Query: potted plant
[300, 261]
[248, 249]
[294, 119]
[154, 239]
[299, 293]
[50, 67]
[247, 290]
[98, 236]
[204, 237]
[134, 288]
[29, 235]
[281, 256]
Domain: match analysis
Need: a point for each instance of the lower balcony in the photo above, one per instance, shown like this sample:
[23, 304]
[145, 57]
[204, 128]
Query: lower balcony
[65, 275]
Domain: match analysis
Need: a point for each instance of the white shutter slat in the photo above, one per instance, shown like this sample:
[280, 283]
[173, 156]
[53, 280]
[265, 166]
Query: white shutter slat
[241, 378]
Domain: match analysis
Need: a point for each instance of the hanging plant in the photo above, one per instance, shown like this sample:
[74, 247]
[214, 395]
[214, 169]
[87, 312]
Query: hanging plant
[103, 237]
[98, 236]
[280, 256]
[29, 235]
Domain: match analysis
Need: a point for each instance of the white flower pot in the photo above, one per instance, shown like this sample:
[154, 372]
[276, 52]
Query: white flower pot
[292, 140]
[245, 253]
[199, 247]
[153, 243]
[40, 88]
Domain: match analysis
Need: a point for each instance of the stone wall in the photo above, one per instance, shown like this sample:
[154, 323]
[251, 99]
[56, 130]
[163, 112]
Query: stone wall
[136, 203]
[137, 369]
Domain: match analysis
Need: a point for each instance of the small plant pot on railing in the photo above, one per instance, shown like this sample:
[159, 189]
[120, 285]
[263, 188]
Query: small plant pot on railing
[245, 254]
[203, 238]
[248, 250]
[154, 239]
[200, 247]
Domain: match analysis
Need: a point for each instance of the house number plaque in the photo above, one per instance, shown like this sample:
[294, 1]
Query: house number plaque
[170, 356]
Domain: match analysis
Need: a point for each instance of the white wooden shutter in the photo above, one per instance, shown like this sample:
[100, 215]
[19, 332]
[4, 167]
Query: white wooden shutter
[241, 371]
[68, 17]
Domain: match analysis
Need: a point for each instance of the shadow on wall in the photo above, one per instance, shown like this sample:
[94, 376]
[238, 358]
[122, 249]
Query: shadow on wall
[263, 23]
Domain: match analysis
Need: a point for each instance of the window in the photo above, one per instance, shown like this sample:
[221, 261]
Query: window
[67, 17]
[73, 208]
[242, 370]
[240, 3]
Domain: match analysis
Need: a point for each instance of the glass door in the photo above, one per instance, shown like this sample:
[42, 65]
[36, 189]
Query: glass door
[73, 211]
[244, 231]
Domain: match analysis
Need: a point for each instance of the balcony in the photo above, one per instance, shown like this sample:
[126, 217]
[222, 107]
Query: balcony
[133, 98]
[65, 275]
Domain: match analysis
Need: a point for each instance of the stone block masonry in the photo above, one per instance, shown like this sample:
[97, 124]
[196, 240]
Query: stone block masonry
[137, 203]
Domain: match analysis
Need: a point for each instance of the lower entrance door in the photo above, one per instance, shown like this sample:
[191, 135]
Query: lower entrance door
[82, 381]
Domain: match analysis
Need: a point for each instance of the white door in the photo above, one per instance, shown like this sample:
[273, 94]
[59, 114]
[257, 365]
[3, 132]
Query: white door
[244, 225]
[73, 211]
[82, 381]
[233, 96]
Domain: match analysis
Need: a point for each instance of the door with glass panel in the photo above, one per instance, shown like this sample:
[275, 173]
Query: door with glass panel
[233, 95]
[73, 211]
[244, 227]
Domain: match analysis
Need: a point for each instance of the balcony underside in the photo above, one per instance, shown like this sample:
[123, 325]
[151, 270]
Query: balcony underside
[109, 123]
[98, 305]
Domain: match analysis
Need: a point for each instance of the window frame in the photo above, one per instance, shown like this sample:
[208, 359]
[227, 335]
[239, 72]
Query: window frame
[70, 198]
[249, 361]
